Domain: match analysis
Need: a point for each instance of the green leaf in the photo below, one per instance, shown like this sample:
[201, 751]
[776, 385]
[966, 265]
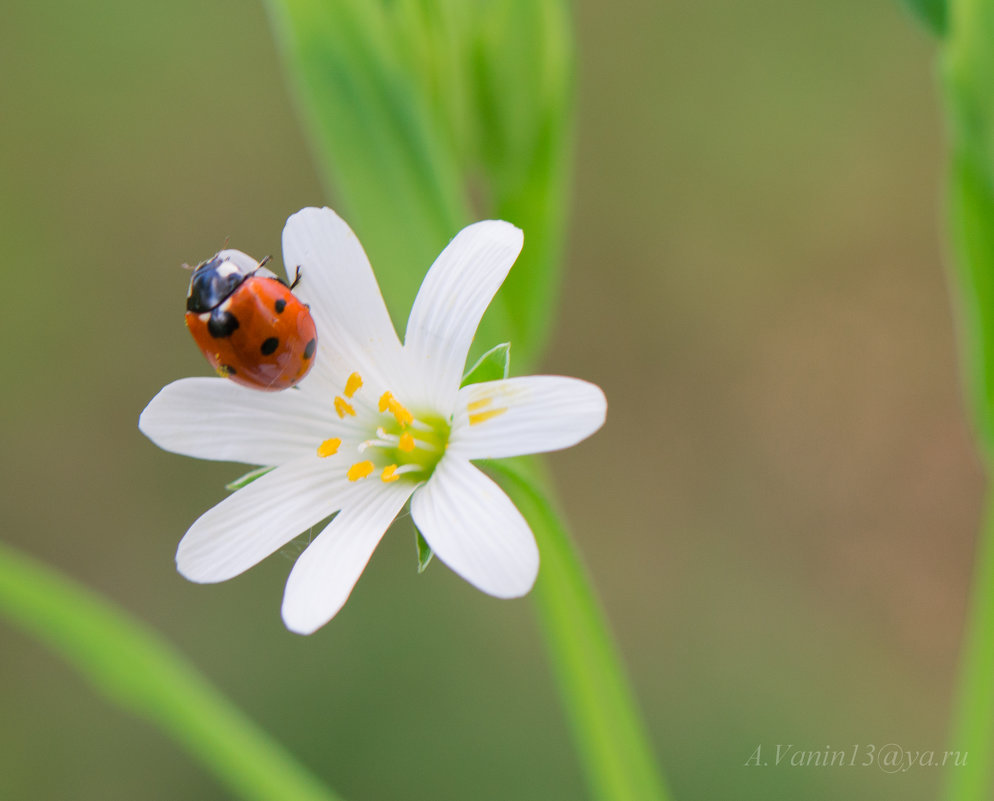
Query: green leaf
[972, 730]
[134, 668]
[248, 478]
[493, 365]
[971, 212]
[425, 553]
[524, 99]
[968, 72]
[377, 139]
[426, 115]
[932, 13]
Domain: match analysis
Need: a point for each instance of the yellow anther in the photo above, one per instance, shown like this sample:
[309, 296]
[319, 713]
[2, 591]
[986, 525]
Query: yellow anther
[389, 473]
[360, 470]
[329, 447]
[343, 407]
[352, 385]
[404, 417]
[406, 442]
[482, 417]
[477, 404]
[389, 402]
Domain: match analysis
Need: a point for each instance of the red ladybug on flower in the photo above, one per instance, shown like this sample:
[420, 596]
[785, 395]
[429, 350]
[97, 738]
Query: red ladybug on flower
[248, 323]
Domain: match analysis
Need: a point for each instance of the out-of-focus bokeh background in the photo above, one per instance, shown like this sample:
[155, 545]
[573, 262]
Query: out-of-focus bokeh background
[779, 514]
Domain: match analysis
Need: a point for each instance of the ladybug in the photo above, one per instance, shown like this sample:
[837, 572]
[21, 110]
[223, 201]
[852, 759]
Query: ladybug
[248, 323]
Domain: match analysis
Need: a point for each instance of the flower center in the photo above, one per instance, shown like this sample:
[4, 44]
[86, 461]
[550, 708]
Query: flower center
[401, 445]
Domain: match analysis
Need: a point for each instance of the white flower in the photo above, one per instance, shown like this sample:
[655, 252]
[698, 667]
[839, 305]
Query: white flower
[374, 424]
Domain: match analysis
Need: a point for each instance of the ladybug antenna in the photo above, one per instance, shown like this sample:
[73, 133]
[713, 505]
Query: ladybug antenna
[186, 266]
[297, 276]
[227, 241]
[265, 261]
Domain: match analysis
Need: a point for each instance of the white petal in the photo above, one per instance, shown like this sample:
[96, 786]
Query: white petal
[473, 527]
[354, 329]
[324, 575]
[516, 416]
[447, 311]
[245, 528]
[213, 418]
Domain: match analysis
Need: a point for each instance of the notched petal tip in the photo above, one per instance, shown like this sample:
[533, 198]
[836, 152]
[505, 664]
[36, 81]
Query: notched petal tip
[197, 570]
[325, 574]
[500, 231]
[301, 627]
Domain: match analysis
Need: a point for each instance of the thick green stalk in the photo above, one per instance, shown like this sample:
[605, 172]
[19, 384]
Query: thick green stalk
[608, 730]
[136, 669]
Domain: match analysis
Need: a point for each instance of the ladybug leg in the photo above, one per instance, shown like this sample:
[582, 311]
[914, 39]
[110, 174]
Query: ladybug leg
[297, 276]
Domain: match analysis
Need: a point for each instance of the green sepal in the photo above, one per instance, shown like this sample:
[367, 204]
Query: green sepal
[425, 553]
[493, 365]
[248, 478]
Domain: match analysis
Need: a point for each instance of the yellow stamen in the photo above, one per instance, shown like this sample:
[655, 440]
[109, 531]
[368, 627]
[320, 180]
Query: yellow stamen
[477, 404]
[360, 470]
[482, 417]
[390, 473]
[352, 385]
[389, 402]
[404, 417]
[329, 447]
[406, 442]
[343, 407]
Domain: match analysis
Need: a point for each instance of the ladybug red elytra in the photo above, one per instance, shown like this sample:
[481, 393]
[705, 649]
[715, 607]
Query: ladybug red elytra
[248, 323]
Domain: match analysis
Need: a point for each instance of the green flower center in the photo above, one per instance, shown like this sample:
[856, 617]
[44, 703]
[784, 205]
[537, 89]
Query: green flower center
[404, 447]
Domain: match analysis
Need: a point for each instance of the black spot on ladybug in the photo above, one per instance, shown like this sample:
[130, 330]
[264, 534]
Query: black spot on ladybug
[309, 348]
[280, 305]
[222, 324]
[269, 346]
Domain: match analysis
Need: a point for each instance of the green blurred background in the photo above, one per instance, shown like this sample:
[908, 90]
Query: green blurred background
[779, 514]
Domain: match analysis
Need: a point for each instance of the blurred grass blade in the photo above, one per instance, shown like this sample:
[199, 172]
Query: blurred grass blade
[609, 733]
[134, 668]
[968, 73]
[524, 94]
[426, 115]
[374, 136]
[973, 721]
[932, 13]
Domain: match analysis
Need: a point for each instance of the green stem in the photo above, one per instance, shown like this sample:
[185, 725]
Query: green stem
[608, 731]
[973, 719]
[136, 669]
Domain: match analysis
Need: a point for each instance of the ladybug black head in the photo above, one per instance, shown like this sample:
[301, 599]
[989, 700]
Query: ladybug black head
[217, 278]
